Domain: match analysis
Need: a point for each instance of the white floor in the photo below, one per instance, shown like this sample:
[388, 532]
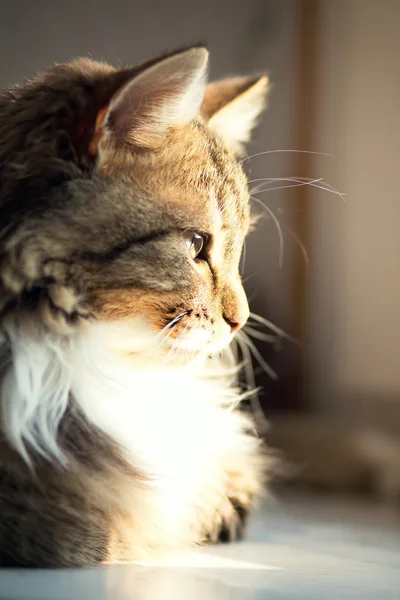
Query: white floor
[302, 548]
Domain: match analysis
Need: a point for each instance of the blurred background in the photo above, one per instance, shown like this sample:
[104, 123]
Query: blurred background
[323, 264]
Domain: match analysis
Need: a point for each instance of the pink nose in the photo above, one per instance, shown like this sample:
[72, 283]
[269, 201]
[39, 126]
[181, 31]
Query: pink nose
[235, 307]
[234, 326]
[237, 321]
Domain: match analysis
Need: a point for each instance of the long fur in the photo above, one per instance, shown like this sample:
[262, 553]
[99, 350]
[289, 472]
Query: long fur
[175, 425]
[115, 442]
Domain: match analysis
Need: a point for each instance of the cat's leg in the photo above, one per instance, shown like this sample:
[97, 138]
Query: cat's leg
[229, 524]
[245, 484]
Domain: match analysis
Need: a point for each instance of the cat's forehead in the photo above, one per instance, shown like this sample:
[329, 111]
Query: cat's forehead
[209, 176]
[193, 169]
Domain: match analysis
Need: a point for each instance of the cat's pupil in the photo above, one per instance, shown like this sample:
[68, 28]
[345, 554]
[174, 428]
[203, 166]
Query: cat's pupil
[195, 243]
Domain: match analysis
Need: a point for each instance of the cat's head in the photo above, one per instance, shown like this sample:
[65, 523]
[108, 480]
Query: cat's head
[122, 196]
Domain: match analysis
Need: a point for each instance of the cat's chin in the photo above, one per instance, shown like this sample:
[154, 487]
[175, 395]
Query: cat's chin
[196, 346]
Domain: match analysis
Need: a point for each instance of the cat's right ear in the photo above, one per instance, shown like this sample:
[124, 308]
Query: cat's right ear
[167, 93]
[231, 108]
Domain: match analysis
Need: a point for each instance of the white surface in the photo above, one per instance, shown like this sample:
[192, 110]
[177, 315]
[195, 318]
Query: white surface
[302, 548]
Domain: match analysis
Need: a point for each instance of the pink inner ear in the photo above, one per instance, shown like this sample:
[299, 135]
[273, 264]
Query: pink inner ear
[220, 93]
[235, 120]
[98, 131]
[166, 94]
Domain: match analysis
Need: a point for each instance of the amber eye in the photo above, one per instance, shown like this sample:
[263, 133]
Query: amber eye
[195, 242]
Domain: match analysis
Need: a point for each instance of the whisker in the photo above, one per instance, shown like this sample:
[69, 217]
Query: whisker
[278, 227]
[247, 361]
[170, 325]
[297, 178]
[228, 362]
[327, 186]
[264, 337]
[251, 384]
[246, 158]
[301, 245]
[174, 321]
[243, 261]
[253, 349]
[297, 182]
[246, 279]
[232, 353]
[174, 347]
[253, 295]
[274, 328]
[296, 238]
[283, 150]
[166, 337]
[183, 351]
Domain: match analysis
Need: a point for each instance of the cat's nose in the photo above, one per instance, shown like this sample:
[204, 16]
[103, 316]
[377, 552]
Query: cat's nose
[235, 308]
[237, 320]
[233, 325]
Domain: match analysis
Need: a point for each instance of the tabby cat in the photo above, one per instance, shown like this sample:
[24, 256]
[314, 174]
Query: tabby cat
[123, 210]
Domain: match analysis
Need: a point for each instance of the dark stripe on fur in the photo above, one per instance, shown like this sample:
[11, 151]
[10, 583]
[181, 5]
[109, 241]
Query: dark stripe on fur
[116, 252]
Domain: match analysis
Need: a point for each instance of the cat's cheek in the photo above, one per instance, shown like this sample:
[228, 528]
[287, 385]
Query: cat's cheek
[119, 305]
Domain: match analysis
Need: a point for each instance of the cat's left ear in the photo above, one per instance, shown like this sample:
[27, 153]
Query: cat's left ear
[167, 93]
[232, 107]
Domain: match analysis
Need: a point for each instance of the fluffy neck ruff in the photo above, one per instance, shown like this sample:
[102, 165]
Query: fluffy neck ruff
[174, 425]
[116, 374]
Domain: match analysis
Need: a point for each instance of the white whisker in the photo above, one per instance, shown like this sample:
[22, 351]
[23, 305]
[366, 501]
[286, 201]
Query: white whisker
[243, 261]
[170, 326]
[174, 321]
[246, 279]
[297, 182]
[264, 337]
[278, 227]
[284, 150]
[180, 351]
[251, 384]
[263, 363]
[174, 346]
[247, 362]
[273, 327]
[246, 158]
[302, 247]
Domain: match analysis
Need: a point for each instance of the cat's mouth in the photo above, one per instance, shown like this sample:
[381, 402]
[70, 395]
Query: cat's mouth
[196, 341]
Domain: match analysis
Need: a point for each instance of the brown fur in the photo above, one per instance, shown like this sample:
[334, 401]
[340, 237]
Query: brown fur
[46, 512]
[91, 230]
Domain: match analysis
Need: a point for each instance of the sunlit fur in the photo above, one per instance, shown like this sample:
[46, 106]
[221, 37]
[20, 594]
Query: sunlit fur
[177, 425]
[120, 431]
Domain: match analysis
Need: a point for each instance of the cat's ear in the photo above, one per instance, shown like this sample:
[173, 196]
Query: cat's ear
[232, 107]
[167, 93]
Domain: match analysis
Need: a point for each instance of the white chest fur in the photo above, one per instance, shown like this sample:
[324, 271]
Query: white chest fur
[177, 425]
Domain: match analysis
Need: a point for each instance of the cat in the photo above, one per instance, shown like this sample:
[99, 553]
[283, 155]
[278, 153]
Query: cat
[123, 210]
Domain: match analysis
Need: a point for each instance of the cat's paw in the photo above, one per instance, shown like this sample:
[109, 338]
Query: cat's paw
[230, 524]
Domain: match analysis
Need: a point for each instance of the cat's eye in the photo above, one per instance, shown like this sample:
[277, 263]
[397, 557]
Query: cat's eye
[195, 242]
